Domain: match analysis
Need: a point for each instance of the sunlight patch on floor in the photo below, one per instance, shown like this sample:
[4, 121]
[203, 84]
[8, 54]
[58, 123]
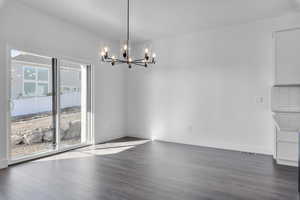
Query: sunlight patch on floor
[65, 156]
[107, 151]
[116, 145]
[96, 150]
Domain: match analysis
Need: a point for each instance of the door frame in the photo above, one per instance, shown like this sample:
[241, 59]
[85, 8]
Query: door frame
[89, 115]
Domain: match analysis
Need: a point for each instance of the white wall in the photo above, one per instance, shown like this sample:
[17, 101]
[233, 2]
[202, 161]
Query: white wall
[29, 30]
[206, 87]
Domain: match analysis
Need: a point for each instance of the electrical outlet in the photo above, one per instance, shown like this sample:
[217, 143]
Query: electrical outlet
[259, 100]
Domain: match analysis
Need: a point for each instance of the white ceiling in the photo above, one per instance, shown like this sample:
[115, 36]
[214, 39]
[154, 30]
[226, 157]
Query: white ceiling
[160, 18]
[1, 3]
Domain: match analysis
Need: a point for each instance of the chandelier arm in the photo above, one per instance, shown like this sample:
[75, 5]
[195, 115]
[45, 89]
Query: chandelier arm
[143, 63]
[121, 61]
[149, 62]
[110, 59]
[116, 60]
[137, 60]
[138, 64]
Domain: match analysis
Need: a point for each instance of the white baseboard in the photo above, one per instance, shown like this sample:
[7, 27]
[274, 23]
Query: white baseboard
[215, 144]
[224, 146]
[3, 164]
[241, 148]
[287, 162]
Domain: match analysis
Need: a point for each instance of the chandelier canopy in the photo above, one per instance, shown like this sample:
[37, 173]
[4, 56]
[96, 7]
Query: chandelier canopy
[148, 59]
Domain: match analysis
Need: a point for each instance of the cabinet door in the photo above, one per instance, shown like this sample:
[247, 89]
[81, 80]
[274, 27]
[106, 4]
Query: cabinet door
[287, 151]
[285, 136]
[287, 57]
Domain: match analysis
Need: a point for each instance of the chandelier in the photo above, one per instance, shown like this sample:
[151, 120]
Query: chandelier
[126, 58]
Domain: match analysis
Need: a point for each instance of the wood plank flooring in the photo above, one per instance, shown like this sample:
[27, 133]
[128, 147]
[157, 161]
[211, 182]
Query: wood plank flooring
[152, 171]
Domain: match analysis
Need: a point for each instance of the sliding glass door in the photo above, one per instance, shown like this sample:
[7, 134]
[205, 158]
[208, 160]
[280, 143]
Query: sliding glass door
[31, 115]
[49, 99]
[73, 103]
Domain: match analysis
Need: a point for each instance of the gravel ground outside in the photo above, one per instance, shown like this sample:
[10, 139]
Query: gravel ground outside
[23, 150]
[21, 126]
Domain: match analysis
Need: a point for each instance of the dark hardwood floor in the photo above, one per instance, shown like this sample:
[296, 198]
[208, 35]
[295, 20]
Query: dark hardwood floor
[152, 171]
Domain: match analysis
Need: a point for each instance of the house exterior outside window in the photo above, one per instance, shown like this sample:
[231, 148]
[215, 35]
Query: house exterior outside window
[35, 81]
[31, 77]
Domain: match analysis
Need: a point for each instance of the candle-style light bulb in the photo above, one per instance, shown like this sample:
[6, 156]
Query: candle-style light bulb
[146, 54]
[105, 49]
[125, 48]
[153, 55]
[113, 60]
[130, 60]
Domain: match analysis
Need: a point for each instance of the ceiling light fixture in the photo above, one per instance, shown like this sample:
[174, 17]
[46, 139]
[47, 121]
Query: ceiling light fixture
[149, 58]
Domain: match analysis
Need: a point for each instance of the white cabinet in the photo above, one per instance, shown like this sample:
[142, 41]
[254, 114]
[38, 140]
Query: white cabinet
[285, 99]
[287, 153]
[285, 96]
[287, 138]
[287, 121]
[287, 59]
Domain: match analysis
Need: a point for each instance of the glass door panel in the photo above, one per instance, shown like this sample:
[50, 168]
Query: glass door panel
[73, 98]
[31, 113]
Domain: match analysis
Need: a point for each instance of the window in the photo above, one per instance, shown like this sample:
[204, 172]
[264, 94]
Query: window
[69, 89]
[35, 81]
